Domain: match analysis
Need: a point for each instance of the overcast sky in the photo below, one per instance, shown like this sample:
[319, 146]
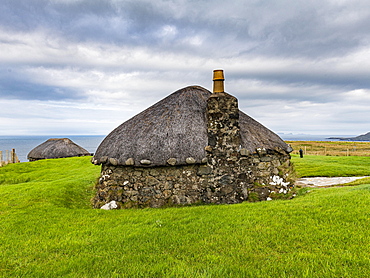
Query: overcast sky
[72, 67]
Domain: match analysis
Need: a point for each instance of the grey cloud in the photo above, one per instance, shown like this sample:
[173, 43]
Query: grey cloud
[15, 86]
[167, 44]
[330, 77]
[289, 28]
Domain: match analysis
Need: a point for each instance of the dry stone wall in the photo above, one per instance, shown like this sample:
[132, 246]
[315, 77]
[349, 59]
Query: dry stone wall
[259, 176]
[151, 187]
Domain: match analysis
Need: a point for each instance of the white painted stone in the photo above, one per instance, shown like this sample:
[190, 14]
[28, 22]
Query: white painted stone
[276, 180]
[110, 205]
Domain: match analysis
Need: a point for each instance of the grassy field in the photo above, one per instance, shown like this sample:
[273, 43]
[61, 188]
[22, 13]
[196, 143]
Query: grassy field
[331, 148]
[49, 230]
[331, 166]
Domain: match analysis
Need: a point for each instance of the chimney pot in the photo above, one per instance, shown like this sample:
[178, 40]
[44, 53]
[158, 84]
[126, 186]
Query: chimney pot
[218, 81]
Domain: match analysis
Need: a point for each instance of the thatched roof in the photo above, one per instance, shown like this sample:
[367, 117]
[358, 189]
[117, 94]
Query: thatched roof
[56, 148]
[175, 128]
[254, 135]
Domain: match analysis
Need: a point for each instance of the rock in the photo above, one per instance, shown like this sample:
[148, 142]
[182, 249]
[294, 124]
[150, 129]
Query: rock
[172, 161]
[262, 165]
[204, 170]
[266, 159]
[110, 205]
[113, 161]
[154, 172]
[190, 160]
[261, 151]
[130, 161]
[137, 173]
[103, 159]
[145, 162]
[151, 181]
[289, 149]
[244, 152]
[227, 189]
[276, 180]
[226, 180]
[233, 158]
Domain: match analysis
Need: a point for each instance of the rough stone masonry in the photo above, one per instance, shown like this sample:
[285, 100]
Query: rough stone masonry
[228, 174]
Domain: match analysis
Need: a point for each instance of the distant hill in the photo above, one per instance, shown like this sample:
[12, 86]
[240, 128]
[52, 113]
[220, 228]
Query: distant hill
[363, 137]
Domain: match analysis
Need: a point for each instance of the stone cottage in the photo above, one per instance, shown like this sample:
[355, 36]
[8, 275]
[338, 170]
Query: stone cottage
[193, 146]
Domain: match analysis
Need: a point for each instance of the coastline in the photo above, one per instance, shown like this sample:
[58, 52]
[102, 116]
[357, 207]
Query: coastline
[23, 144]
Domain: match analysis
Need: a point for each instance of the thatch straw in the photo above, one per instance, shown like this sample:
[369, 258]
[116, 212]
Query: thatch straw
[175, 128]
[254, 135]
[56, 148]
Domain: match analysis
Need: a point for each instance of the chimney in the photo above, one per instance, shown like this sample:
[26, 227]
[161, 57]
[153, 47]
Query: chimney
[223, 118]
[218, 81]
[224, 141]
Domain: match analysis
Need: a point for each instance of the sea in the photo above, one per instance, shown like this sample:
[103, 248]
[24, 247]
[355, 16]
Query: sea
[24, 144]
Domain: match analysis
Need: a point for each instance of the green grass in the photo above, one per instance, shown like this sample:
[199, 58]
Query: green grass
[48, 182]
[47, 232]
[331, 166]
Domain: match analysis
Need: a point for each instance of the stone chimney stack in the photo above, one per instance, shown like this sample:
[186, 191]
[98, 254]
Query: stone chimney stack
[223, 116]
[223, 141]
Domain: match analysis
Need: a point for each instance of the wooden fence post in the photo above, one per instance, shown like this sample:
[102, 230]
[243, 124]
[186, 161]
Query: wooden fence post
[10, 157]
[14, 157]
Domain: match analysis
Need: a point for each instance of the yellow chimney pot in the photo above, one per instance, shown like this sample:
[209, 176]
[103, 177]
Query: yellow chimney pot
[218, 81]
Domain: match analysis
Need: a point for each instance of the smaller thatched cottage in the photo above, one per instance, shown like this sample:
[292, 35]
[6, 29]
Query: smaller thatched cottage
[56, 148]
[193, 146]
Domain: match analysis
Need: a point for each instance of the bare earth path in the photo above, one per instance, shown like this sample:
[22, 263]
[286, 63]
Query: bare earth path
[325, 181]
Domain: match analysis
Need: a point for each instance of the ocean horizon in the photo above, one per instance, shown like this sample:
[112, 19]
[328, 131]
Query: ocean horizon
[23, 144]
